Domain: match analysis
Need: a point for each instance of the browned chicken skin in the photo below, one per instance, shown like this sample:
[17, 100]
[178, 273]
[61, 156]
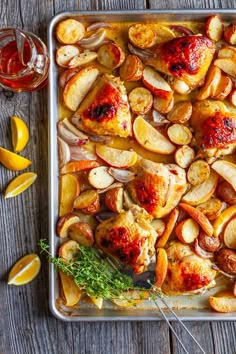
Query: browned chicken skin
[215, 128]
[187, 58]
[186, 271]
[158, 187]
[129, 237]
[105, 110]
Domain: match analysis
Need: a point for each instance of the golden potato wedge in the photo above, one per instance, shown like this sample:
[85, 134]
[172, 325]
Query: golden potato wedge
[163, 105]
[226, 193]
[198, 172]
[199, 217]
[178, 86]
[161, 267]
[184, 156]
[208, 243]
[85, 199]
[227, 52]
[227, 65]
[230, 33]
[211, 208]
[142, 35]
[187, 230]
[223, 219]
[71, 294]
[214, 28]
[179, 134]
[232, 97]
[69, 189]
[78, 87]
[116, 157]
[65, 53]
[224, 301]
[64, 222]
[131, 69]
[68, 251]
[181, 112]
[82, 59]
[159, 226]
[114, 199]
[111, 55]
[70, 31]
[113, 185]
[99, 177]
[140, 100]
[201, 193]
[163, 34]
[155, 83]
[211, 83]
[223, 88]
[230, 234]
[161, 242]
[93, 208]
[82, 233]
[227, 170]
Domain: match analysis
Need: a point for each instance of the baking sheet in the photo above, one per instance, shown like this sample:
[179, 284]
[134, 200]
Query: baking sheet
[187, 307]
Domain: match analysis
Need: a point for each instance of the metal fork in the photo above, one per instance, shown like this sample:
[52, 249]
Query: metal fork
[116, 265]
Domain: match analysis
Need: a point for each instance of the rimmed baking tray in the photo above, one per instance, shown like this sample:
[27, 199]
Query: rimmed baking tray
[189, 307]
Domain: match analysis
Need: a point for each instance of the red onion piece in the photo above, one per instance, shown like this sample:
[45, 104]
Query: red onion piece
[66, 75]
[159, 118]
[63, 152]
[121, 175]
[74, 130]
[230, 276]
[97, 25]
[78, 153]
[104, 215]
[201, 252]
[182, 30]
[94, 40]
[141, 53]
[69, 136]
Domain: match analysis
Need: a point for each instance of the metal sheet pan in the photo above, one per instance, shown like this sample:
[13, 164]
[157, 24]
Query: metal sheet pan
[189, 308]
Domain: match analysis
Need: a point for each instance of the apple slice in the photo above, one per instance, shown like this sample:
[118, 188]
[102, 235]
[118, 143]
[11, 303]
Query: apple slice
[202, 192]
[100, 178]
[155, 83]
[224, 301]
[199, 217]
[151, 139]
[187, 231]
[229, 234]
[214, 28]
[227, 65]
[116, 157]
[223, 219]
[82, 233]
[161, 267]
[211, 83]
[81, 165]
[227, 170]
[64, 222]
[69, 189]
[223, 89]
[114, 199]
[227, 52]
[85, 199]
[70, 292]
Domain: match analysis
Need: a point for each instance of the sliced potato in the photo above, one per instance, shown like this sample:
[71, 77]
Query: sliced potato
[178, 86]
[230, 234]
[100, 178]
[187, 230]
[227, 52]
[227, 65]
[82, 233]
[116, 157]
[208, 243]
[92, 208]
[142, 35]
[114, 199]
[214, 28]
[68, 251]
[78, 87]
[184, 156]
[131, 69]
[224, 301]
[163, 105]
[211, 83]
[155, 83]
[159, 226]
[140, 100]
[63, 224]
[198, 172]
[202, 192]
[227, 170]
[181, 112]
[223, 219]
[211, 208]
[161, 267]
[82, 59]
[65, 53]
[70, 31]
[85, 199]
[226, 260]
[179, 134]
[110, 55]
[71, 294]
[230, 34]
[223, 88]
[163, 34]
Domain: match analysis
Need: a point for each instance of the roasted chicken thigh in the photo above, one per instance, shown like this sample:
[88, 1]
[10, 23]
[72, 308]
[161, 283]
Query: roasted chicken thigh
[129, 237]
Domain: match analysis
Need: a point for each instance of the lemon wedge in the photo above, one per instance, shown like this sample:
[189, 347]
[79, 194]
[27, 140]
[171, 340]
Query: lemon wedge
[19, 133]
[13, 161]
[24, 270]
[20, 184]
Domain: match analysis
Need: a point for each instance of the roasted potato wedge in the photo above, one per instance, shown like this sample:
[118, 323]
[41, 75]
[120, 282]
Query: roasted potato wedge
[142, 35]
[70, 31]
[140, 100]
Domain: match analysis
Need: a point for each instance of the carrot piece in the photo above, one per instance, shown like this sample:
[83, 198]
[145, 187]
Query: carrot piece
[161, 242]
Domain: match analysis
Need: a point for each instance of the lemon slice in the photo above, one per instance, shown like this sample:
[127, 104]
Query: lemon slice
[24, 270]
[19, 133]
[13, 161]
[20, 184]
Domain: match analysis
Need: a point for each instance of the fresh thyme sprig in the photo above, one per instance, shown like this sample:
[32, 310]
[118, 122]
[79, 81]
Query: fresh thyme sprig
[92, 274]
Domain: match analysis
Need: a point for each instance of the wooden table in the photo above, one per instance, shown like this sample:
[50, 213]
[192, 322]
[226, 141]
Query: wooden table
[26, 325]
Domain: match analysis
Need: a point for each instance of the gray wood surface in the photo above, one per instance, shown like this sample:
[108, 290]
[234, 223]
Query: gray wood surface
[26, 325]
